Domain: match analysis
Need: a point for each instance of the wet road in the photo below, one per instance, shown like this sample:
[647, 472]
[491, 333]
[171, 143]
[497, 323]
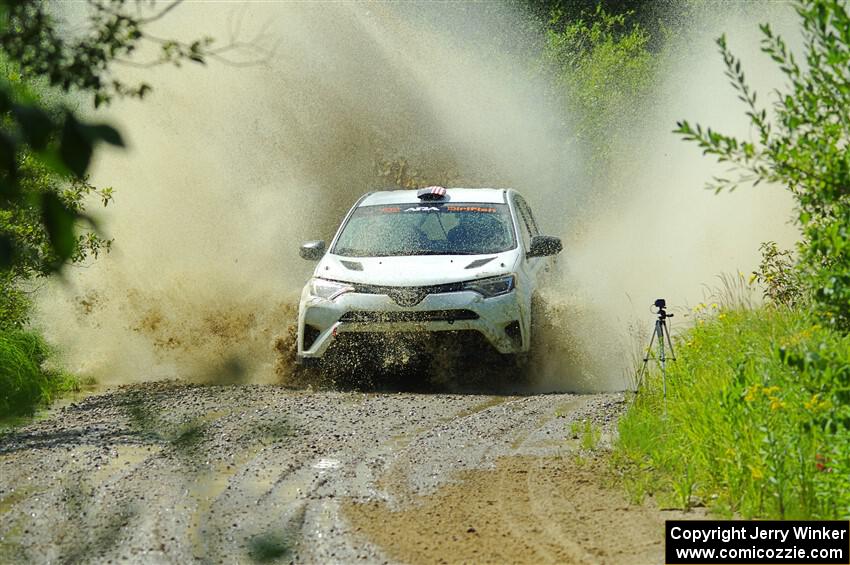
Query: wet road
[167, 472]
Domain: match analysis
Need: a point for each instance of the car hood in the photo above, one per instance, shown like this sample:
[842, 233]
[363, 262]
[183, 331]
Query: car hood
[416, 270]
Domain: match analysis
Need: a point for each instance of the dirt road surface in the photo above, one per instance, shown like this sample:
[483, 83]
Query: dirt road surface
[175, 473]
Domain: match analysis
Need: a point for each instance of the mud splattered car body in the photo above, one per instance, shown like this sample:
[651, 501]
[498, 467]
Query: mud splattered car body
[433, 260]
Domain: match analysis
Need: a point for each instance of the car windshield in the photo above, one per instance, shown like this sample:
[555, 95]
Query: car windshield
[429, 228]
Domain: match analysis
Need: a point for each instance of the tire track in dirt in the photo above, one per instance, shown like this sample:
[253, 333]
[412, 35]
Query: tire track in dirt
[543, 501]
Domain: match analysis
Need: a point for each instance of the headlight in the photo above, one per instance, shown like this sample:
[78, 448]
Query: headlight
[492, 286]
[328, 289]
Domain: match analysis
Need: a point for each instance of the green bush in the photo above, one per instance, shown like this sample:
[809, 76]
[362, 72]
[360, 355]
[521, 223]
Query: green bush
[756, 421]
[25, 383]
[778, 274]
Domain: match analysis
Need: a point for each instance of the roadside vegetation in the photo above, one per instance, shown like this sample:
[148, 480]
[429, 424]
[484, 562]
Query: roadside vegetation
[25, 381]
[756, 421]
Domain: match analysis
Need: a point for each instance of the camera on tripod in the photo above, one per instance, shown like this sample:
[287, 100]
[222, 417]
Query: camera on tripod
[661, 304]
[661, 337]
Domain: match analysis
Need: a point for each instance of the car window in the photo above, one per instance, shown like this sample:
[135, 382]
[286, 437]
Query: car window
[429, 228]
[528, 227]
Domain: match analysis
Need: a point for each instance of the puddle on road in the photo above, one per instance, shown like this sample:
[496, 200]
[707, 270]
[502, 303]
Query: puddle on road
[85, 390]
[205, 490]
[123, 460]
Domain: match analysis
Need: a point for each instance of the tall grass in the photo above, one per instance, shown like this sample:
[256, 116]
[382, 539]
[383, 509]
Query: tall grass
[756, 423]
[25, 383]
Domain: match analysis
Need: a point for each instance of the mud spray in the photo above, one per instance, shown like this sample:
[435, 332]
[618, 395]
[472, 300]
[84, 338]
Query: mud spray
[230, 167]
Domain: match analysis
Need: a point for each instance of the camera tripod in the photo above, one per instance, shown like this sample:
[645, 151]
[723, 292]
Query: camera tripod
[662, 334]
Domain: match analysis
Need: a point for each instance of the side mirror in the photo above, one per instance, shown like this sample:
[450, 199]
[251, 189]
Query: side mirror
[312, 250]
[544, 245]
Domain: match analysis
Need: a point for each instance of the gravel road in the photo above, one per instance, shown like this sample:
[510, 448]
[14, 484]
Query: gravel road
[176, 473]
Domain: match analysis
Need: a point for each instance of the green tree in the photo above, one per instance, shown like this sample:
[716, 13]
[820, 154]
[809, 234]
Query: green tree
[604, 70]
[654, 16]
[802, 145]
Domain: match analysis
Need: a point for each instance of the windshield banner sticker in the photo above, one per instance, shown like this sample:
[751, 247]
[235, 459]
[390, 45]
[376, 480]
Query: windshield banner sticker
[480, 209]
[422, 209]
[445, 209]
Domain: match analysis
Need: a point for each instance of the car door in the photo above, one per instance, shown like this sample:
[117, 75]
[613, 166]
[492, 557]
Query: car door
[530, 269]
[534, 267]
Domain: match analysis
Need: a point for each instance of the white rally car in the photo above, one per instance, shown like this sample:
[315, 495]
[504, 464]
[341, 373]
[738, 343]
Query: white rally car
[432, 260]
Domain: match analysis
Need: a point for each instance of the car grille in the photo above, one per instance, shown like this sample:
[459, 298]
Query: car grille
[408, 295]
[432, 289]
[423, 316]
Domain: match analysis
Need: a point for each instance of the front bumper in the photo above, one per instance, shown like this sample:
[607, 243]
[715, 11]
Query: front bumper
[320, 321]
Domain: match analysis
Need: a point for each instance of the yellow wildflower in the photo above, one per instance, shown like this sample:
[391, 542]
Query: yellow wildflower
[816, 404]
[756, 473]
[752, 393]
[776, 403]
[810, 404]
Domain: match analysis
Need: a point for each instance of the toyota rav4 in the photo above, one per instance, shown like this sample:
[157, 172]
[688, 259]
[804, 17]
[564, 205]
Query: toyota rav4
[428, 260]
